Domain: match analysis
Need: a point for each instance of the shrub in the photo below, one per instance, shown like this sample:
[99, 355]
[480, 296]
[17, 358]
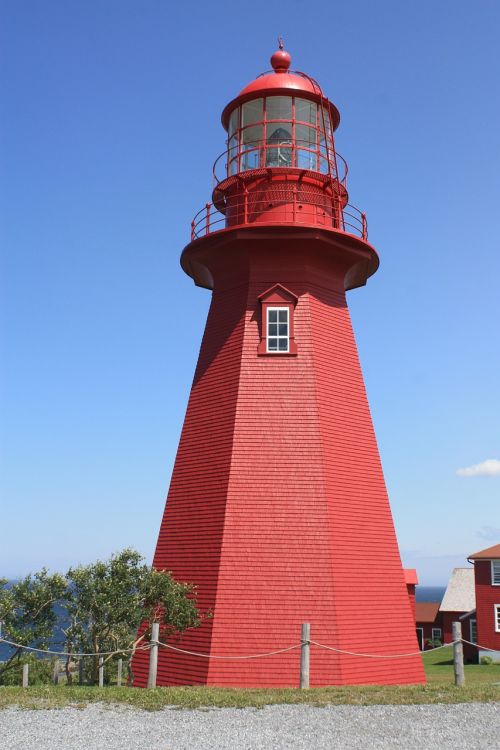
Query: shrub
[40, 671]
[486, 660]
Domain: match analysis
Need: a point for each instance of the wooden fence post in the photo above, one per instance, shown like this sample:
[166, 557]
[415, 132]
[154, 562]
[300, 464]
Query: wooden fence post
[305, 638]
[458, 655]
[80, 671]
[153, 655]
[119, 673]
[55, 672]
[26, 671]
[101, 671]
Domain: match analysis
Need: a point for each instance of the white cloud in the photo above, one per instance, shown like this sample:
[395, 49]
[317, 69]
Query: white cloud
[488, 468]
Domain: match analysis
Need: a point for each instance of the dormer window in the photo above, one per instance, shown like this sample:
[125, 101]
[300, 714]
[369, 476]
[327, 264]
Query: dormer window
[278, 329]
[277, 336]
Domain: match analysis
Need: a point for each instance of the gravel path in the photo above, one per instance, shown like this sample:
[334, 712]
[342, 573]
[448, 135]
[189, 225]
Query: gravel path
[97, 727]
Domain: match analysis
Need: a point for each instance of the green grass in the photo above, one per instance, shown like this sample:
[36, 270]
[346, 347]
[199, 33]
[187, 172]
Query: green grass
[480, 687]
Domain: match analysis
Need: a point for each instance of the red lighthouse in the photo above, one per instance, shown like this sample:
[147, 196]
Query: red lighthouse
[277, 508]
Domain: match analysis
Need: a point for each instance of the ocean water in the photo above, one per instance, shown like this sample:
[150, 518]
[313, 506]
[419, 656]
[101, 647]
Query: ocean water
[430, 593]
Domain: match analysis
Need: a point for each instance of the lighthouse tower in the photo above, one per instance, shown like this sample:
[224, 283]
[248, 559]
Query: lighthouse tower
[277, 508]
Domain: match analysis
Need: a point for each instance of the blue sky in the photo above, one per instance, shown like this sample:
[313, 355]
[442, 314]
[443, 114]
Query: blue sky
[110, 127]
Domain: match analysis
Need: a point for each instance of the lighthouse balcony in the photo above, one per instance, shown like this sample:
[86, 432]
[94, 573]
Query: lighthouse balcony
[281, 203]
[299, 154]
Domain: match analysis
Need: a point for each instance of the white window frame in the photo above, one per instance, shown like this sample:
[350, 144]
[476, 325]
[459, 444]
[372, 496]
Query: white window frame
[437, 637]
[495, 572]
[496, 609]
[472, 635]
[278, 309]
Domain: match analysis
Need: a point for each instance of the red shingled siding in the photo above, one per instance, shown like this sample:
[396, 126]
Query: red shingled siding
[190, 536]
[278, 507]
[486, 596]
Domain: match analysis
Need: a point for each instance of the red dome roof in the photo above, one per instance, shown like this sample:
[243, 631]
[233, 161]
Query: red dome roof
[283, 82]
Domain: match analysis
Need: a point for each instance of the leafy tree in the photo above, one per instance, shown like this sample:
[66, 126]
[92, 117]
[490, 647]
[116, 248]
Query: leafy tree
[111, 606]
[27, 612]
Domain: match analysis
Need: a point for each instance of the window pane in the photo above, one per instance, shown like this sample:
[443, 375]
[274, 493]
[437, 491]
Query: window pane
[234, 121]
[273, 329]
[305, 111]
[233, 166]
[279, 108]
[278, 133]
[251, 137]
[250, 160]
[283, 316]
[283, 329]
[308, 160]
[272, 345]
[305, 136]
[252, 112]
[283, 345]
[273, 316]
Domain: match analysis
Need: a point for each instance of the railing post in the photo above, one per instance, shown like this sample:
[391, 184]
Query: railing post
[101, 671]
[245, 206]
[363, 226]
[305, 646]
[80, 671]
[55, 672]
[294, 209]
[192, 230]
[26, 671]
[207, 218]
[153, 654]
[458, 654]
[119, 673]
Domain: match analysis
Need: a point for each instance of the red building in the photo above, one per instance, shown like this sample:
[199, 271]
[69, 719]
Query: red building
[277, 508]
[429, 624]
[484, 623]
[411, 580]
[458, 599]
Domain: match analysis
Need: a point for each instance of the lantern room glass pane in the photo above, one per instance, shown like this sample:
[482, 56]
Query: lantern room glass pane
[250, 160]
[251, 137]
[305, 111]
[307, 160]
[305, 136]
[252, 112]
[278, 145]
[234, 120]
[279, 108]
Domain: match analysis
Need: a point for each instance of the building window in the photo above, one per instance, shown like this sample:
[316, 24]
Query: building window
[495, 572]
[473, 631]
[497, 617]
[436, 634]
[278, 329]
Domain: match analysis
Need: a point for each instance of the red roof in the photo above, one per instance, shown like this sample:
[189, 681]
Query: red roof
[411, 576]
[486, 554]
[426, 611]
[282, 82]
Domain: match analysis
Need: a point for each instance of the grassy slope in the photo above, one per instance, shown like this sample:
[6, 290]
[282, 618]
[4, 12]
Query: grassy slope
[480, 686]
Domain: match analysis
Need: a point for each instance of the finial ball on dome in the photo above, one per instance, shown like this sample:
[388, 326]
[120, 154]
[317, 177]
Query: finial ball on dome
[281, 59]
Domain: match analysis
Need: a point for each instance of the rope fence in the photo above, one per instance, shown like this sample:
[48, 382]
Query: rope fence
[305, 645]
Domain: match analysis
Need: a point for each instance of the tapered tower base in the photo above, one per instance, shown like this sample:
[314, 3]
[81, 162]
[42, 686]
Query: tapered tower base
[277, 509]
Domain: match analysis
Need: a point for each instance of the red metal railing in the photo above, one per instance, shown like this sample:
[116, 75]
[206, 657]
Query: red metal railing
[258, 207]
[235, 161]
